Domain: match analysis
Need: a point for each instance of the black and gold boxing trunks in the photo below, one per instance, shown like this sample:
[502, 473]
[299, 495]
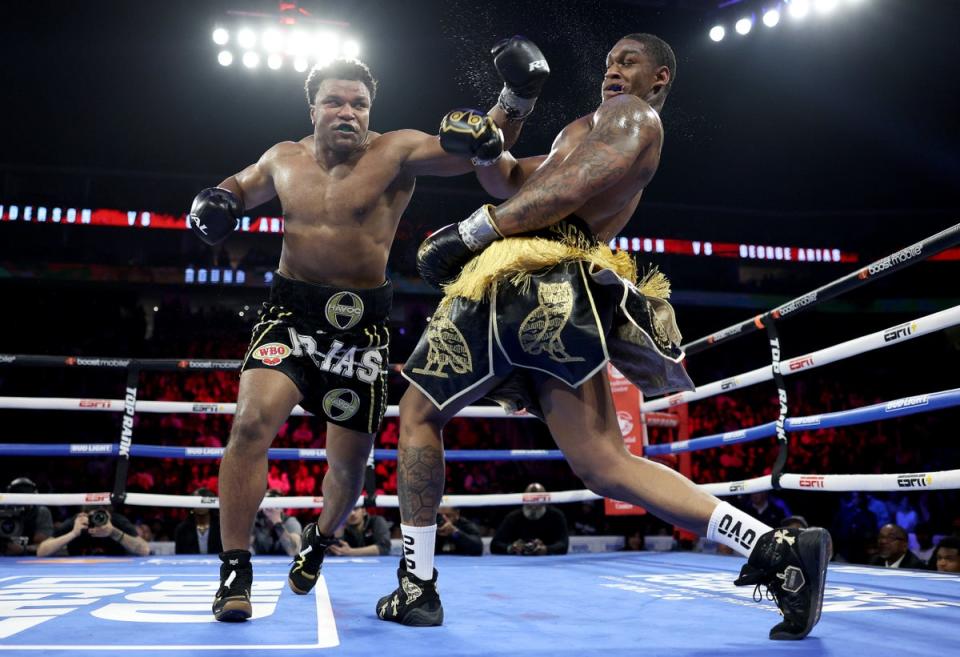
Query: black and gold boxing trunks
[333, 343]
[555, 303]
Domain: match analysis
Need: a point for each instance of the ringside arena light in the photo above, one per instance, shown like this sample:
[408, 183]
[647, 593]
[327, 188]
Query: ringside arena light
[247, 38]
[292, 40]
[771, 17]
[825, 6]
[744, 25]
[717, 33]
[799, 9]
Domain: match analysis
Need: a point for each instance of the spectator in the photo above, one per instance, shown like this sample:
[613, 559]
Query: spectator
[892, 550]
[94, 531]
[761, 509]
[927, 549]
[363, 535]
[274, 532]
[535, 530]
[456, 534]
[796, 522]
[634, 541]
[948, 555]
[200, 532]
[854, 530]
[23, 528]
[907, 516]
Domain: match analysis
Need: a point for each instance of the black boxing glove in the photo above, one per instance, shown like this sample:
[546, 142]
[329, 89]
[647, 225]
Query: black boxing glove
[524, 71]
[215, 214]
[473, 133]
[442, 256]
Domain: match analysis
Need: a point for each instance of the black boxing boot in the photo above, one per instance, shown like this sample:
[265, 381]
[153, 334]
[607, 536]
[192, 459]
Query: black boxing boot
[416, 602]
[792, 565]
[306, 565]
[232, 602]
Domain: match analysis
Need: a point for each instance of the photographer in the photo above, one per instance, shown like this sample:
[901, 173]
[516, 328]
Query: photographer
[363, 535]
[456, 534]
[23, 528]
[274, 532]
[535, 530]
[95, 531]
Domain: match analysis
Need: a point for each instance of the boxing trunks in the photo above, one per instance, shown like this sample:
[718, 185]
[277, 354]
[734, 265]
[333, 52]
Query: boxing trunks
[332, 343]
[554, 303]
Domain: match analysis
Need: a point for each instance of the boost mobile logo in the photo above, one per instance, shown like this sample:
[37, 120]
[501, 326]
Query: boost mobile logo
[901, 331]
[914, 480]
[892, 260]
[341, 404]
[344, 310]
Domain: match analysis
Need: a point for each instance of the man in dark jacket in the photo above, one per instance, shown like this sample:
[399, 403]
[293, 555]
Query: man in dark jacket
[456, 534]
[200, 532]
[534, 530]
[892, 550]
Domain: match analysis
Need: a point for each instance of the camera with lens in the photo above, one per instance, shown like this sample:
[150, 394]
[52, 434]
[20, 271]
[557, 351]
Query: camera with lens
[11, 522]
[98, 518]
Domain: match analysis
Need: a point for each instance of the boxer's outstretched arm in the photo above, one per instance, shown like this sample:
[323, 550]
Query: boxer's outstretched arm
[254, 185]
[624, 127]
[506, 177]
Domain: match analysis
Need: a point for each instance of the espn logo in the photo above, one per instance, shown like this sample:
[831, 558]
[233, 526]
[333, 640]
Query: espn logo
[535, 498]
[914, 480]
[737, 487]
[811, 482]
[727, 384]
[800, 363]
[901, 331]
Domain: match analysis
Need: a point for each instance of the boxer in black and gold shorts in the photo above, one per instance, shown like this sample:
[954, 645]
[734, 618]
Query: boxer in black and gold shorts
[332, 343]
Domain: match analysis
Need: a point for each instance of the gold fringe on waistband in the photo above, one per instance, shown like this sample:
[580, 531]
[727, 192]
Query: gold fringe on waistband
[515, 259]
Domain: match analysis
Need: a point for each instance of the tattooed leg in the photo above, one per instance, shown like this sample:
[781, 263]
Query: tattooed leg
[420, 466]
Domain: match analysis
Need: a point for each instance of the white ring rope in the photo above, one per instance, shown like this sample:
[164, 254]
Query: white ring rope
[943, 480]
[885, 338]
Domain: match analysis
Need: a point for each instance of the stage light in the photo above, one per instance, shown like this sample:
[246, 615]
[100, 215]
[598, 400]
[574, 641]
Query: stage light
[350, 49]
[251, 59]
[326, 46]
[744, 25]
[247, 38]
[717, 33]
[825, 6]
[274, 61]
[300, 64]
[220, 36]
[771, 17]
[272, 40]
[225, 58]
[299, 43]
[799, 8]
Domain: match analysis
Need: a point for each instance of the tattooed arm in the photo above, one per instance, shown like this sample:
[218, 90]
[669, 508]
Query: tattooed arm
[624, 128]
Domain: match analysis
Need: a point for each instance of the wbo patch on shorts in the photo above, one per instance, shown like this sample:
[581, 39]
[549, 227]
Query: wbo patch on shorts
[271, 353]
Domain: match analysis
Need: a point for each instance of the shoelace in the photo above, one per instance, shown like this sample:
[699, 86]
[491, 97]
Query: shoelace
[769, 593]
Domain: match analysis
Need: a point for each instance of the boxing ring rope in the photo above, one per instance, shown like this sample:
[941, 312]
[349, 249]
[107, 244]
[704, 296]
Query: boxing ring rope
[894, 262]
[906, 406]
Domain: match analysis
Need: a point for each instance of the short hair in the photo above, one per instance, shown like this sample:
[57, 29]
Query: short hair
[659, 51]
[799, 520]
[339, 69]
[948, 542]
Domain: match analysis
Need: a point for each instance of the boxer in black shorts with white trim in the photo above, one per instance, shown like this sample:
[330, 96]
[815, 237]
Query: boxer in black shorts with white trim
[322, 338]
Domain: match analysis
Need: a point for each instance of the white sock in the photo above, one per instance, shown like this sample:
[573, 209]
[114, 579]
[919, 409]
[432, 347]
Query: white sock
[418, 543]
[737, 530]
